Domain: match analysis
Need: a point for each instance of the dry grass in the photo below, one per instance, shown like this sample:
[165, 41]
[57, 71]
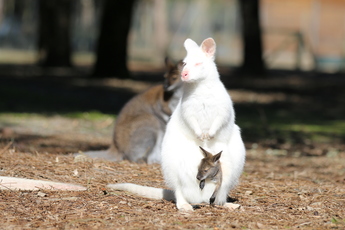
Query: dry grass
[299, 183]
[275, 192]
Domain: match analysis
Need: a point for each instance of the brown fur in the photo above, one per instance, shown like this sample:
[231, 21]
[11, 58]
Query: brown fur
[210, 168]
[141, 122]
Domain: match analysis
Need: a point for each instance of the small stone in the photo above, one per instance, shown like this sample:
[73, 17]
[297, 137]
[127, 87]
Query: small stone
[75, 172]
[248, 193]
[232, 206]
[82, 158]
[41, 194]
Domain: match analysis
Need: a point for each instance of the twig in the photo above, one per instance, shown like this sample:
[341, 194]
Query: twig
[109, 168]
[77, 221]
[6, 147]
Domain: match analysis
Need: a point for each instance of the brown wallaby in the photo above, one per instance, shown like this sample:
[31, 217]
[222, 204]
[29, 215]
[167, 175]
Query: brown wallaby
[140, 125]
[210, 168]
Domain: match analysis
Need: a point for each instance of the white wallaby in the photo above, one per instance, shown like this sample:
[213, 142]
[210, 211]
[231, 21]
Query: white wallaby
[204, 117]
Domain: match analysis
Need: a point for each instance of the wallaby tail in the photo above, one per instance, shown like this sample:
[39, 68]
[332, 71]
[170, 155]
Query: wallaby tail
[144, 191]
[109, 154]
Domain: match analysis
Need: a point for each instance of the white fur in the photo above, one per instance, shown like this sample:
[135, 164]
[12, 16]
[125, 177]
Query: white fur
[144, 191]
[204, 117]
[176, 96]
[155, 156]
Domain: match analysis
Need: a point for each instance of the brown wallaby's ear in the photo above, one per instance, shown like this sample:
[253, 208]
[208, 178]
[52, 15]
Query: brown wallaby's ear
[208, 46]
[168, 63]
[206, 153]
[217, 156]
[180, 65]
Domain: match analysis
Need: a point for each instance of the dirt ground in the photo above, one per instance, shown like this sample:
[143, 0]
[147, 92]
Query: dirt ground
[280, 188]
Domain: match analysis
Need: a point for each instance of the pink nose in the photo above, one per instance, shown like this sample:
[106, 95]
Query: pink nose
[184, 75]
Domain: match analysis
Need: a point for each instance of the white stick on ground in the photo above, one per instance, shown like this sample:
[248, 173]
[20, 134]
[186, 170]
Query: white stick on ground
[14, 183]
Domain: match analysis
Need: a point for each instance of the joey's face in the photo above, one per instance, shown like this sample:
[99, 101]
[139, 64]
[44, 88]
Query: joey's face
[202, 174]
[204, 170]
[199, 60]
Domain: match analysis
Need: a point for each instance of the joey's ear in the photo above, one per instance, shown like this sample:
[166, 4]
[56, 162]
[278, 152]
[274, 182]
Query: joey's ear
[208, 46]
[206, 153]
[189, 43]
[217, 156]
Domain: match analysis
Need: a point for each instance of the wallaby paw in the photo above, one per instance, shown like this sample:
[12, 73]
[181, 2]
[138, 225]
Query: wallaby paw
[185, 208]
[202, 184]
[204, 137]
[212, 199]
[200, 137]
[231, 206]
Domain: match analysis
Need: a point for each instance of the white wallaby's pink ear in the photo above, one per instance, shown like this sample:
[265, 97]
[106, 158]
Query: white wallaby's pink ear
[208, 46]
[189, 43]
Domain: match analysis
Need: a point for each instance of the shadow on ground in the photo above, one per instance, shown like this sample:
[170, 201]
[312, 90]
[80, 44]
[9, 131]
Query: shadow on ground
[285, 109]
[285, 118]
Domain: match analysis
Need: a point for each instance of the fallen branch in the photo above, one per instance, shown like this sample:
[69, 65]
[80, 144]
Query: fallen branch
[6, 147]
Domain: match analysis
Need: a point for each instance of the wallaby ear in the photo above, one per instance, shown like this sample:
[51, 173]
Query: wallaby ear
[217, 157]
[180, 65]
[208, 46]
[168, 63]
[206, 153]
[189, 44]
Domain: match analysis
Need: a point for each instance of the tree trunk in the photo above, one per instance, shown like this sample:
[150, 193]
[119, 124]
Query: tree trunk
[251, 36]
[54, 33]
[112, 43]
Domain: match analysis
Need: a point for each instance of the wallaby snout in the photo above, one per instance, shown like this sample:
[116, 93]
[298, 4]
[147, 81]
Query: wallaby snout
[166, 84]
[184, 75]
[200, 176]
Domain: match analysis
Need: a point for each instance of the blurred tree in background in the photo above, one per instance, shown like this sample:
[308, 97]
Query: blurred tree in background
[56, 29]
[251, 37]
[54, 33]
[112, 43]
[106, 36]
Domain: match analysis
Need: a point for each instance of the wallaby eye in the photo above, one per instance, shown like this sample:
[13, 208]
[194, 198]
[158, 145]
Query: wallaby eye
[205, 170]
